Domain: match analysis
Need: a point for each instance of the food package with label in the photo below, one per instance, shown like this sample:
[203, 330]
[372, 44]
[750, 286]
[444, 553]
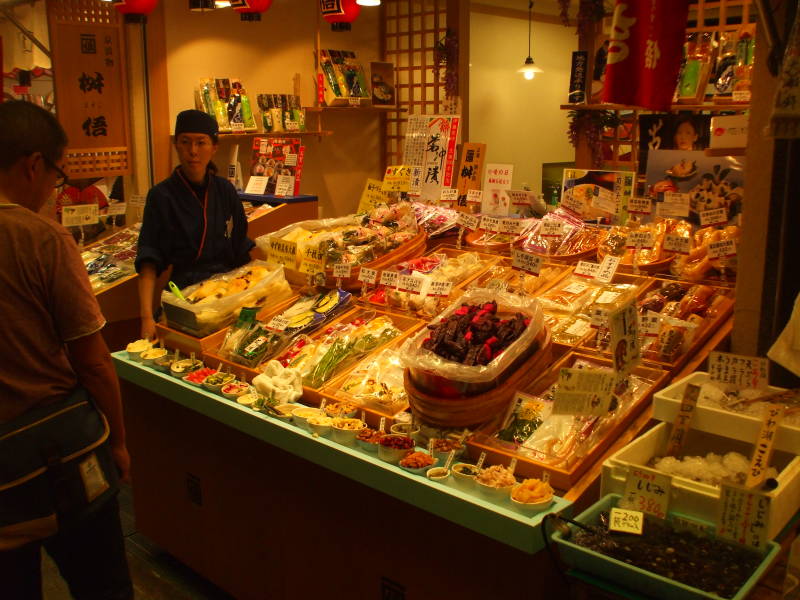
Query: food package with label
[435, 220]
[377, 383]
[504, 278]
[616, 241]
[570, 295]
[700, 264]
[560, 233]
[212, 304]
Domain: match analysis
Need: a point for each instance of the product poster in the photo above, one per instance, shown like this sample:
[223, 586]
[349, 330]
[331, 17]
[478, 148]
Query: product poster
[672, 132]
[595, 194]
[273, 157]
[430, 150]
[496, 182]
[706, 182]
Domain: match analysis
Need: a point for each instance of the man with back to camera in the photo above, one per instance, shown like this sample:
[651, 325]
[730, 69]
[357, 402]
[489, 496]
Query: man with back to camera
[52, 349]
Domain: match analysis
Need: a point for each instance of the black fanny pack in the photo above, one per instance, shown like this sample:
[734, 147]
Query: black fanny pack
[56, 467]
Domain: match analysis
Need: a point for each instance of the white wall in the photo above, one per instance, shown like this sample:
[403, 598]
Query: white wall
[266, 56]
[520, 120]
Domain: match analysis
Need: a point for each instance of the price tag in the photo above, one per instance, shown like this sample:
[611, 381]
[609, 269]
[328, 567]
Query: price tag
[608, 268]
[382, 426]
[117, 208]
[527, 262]
[741, 95]
[598, 318]
[440, 288]
[649, 324]
[575, 288]
[397, 178]
[626, 521]
[513, 226]
[367, 275]
[490, 224]
[474, 196]
[738, 371]
[256, 185]
[278, 323]
[677, 243]
[579, 328]
[640, 206]
[263, 147]
[604, 200]
[715, 216]
[282, 252]
[551, 228]
[674, 204]
[448, 195]
[312, 262]
[372, 196]
[683, 420]
[640, 239]
[583, 392]
[237, 127]
[291, 159]
[624, 326]
[137, 200]
[75, 215]
[520, 197]
[762, 454]
[587, 269]
[389, 279]
[354, 101]
[647, 490]
[284, 186]
[410, 284]
[481, 460]
[743, 516]
[342, 271]
[468, 221]
[568, 200]
[722, 249]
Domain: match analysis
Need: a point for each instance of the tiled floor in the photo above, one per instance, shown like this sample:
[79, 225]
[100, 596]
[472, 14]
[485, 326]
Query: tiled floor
[155, 574]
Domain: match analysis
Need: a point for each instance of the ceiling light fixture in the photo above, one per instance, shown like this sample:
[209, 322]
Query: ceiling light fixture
[529, 69]
[369, 2]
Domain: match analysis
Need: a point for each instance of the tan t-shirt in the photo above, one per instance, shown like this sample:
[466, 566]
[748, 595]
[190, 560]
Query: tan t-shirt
[45, 301]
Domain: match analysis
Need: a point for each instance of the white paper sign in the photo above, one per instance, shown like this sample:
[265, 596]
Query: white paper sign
[410, 284]
[583, 392]
[367, 275]
[604, 200]
[448, 195]
[474, 196]
[649, 324]
[117, 208]
[137, 200]
[278, 323]
[640, 239]
[490, 224]
[626, 521]
[587, 269]
[648, 491]
[608, 268]
[738, 370]
[75, 215]
[527, 262]
[440, 288]
[674, 204]
[551, 228]
[722, 249]
[677, 243]
[743, 516]
[257, 185]
[284, 185]
[291, 160]
[624, 326]
[514, 226]
[468, 221]
[389, 278]
[342, 271]
[640, 206]
[741, 95]
[715, 216]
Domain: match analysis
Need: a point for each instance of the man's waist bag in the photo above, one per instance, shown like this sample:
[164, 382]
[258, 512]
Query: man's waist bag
[56, 467]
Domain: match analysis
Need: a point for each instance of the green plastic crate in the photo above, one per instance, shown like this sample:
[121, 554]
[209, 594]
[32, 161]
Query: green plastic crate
[634, 578]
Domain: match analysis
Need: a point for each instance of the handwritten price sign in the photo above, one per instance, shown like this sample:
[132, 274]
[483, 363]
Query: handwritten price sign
[527, 262]
[367, 275]
[648, 491]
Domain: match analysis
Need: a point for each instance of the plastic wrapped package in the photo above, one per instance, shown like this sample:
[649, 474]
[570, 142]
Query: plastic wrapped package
[571, 330]
[215, 302]
[674, 338]
[435, 220]
[279, 384]
[422, 361]
[570, 295]
[377, 382]
[698, 265]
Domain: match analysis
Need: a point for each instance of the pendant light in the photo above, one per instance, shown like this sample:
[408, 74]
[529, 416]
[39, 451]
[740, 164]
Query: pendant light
[529, 69]
[369, 2]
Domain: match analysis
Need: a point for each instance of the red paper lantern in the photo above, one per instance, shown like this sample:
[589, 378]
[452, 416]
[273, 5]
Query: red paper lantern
[135, 11]
[250, 10]
[339, 13]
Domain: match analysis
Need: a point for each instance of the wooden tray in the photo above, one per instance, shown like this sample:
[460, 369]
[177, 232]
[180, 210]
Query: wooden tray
[411, 249]
[500, 452]
[658, 266]
[473, 410]
[564, 270]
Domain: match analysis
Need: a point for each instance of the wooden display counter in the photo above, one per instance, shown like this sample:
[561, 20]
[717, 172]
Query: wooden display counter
[264, 510]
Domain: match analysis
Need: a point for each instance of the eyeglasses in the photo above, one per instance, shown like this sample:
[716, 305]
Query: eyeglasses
[62, 177]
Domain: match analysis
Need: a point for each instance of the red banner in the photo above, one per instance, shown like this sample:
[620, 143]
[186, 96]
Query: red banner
[644, 52]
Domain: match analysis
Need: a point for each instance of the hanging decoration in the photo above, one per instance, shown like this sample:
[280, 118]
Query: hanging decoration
[135, 11]
[339, 13]
[445, 56]
[250, 10]
[586, 127]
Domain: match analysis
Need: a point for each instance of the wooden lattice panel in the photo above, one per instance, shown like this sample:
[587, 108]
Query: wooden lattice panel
[412, 29]
[84, 11]
[96, 162]
[720, 15]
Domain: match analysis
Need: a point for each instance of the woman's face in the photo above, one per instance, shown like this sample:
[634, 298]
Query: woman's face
[195, 151]
[685, 136]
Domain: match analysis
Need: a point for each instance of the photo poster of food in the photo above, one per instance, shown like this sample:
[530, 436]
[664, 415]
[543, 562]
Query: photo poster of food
[683, 131]
[597, 194]
[496, 183]
[430, 151]
[273, 157]
[710, 182]
[382, 78]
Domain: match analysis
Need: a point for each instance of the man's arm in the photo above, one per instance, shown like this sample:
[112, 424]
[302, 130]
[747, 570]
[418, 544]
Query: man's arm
[147, 284]
[91, 362]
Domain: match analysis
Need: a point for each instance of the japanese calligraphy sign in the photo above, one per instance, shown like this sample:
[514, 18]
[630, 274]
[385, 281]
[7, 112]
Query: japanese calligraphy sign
[312, 262]
[91, 93]
[470, 173]
[624, 326]
[372, 196]
[397, 178]
[468, 221]
[762, 454]
[583, 392]
[738, 371]
[644, 52]
[282, 252]
[490, 224]
[626, 521]
[430, 149]
[743, 516]
[649, 324]
[608, 268]
[527, 262]
[683, 420]
[647, 490]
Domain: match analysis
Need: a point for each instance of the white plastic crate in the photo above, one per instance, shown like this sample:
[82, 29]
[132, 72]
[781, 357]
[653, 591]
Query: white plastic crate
[666, 404]
[696, 499]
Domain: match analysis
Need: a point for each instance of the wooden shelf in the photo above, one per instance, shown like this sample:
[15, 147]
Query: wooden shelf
[354, 109]
[278, 134]
[675, 107]
[724, 151]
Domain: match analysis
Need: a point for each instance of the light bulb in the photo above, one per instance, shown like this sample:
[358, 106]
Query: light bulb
[529, 75]
[369, 2]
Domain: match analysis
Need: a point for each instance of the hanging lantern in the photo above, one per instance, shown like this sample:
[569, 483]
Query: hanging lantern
[250, 10]
[339, 13]
[135, 11]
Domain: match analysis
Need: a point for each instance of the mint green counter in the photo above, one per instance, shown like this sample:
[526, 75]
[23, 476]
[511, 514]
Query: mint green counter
[504, 525]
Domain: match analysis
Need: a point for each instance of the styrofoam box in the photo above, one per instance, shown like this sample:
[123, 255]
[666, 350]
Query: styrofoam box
[666, 404]
[696, 499]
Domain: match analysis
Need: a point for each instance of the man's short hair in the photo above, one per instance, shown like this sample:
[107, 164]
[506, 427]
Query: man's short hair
[26, 128]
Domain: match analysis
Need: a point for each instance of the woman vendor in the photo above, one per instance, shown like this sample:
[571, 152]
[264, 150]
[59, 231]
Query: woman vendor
[194, 224]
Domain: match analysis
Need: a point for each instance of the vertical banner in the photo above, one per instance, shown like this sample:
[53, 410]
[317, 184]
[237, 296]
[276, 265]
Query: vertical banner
[90, 86]
[430, 150]
[644, 52]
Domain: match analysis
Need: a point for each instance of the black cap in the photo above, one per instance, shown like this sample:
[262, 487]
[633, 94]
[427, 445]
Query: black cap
[195, 121]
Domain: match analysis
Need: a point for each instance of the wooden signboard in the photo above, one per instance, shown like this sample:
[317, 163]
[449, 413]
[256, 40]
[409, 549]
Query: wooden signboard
[88, 46]
[470, 175]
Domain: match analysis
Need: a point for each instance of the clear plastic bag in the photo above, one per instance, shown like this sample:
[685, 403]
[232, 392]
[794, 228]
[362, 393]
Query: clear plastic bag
[377, 382]
[418, 359]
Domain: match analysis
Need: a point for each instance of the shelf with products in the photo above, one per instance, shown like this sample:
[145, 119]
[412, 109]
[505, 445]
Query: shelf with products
[355, 109]
[280, 134]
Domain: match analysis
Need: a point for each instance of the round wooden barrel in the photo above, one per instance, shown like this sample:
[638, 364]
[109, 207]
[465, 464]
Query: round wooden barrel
[472, 410]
